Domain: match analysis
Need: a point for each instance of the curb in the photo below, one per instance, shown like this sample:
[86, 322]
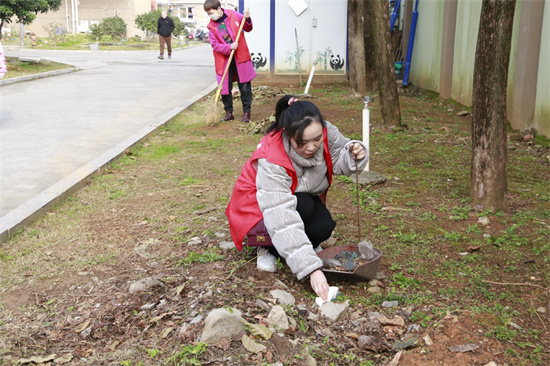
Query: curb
[36, 207]
[41, 75]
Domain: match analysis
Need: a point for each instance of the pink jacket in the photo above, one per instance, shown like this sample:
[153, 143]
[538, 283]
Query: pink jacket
[3, 67]
[222, 50]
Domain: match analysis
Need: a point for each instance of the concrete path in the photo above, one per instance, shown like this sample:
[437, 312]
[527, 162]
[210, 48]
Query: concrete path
[57, 131]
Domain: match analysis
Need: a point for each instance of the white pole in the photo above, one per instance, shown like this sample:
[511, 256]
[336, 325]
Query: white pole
[309, 79]
[366, 133]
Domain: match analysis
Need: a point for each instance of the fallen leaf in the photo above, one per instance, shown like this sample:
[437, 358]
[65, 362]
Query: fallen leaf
[82, 327]
[397, 320]
[179, 289]
[37, 359]
[64, 359]
[258, 330]
[114, 345]
[252, 346]
[224, 344]
[165, 332]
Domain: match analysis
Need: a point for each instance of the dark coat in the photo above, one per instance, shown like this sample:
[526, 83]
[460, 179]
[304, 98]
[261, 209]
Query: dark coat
[165, 27]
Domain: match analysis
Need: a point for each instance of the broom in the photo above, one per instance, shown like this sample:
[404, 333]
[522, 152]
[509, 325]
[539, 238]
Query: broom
[212, 113]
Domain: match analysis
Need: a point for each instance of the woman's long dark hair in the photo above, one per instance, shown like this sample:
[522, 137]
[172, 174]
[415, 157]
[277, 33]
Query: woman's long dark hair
[294, 118]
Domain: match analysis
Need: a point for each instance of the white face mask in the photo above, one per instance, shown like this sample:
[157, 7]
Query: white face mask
[215, 16]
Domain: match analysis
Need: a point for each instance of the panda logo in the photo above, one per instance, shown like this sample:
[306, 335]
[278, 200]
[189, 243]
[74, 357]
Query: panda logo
[259, 61]
[336, 63]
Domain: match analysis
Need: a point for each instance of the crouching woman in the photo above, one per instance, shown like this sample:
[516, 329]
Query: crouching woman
[284, 184]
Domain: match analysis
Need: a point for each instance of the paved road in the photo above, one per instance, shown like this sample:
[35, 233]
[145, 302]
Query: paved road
[56, 131]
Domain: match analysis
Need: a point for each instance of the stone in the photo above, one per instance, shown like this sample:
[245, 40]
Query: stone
[541, 310]
[492, 363]
[277, 318]
[334, 311]
[222, 324]
[374, 344]
[390, 304]
[227, 245]
[463, 113]
[194, 241]
[374, 315]
[144, 284]
[371, 178]
[284, 297]
[484, 220]
[374, 290]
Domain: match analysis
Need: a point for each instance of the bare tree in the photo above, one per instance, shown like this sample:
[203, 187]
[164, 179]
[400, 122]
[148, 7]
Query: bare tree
[385, 70]
[489, 183]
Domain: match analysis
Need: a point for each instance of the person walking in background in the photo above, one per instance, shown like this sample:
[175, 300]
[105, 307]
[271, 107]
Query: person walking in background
[165, 27]
[223, 28]
[285, 183]
[3, 67]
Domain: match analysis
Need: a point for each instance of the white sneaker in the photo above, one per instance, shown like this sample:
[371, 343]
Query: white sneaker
[266, 261]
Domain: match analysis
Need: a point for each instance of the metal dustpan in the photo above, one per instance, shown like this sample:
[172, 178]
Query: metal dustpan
[366, 271]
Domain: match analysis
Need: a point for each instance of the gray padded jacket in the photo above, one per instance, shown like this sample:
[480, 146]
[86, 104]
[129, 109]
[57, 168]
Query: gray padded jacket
[278, 204]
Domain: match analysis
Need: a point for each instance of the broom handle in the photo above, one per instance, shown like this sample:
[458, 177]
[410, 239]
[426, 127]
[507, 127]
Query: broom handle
[219, 91]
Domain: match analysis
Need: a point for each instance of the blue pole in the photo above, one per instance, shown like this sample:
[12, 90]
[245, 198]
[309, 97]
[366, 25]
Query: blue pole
[410, 47]
[394, 15]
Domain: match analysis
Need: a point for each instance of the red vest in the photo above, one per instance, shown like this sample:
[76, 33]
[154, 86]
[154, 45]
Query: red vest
[243, 211]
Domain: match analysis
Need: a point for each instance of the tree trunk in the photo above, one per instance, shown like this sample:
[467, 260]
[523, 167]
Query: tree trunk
[387, 86]
[370, 60]
[488, 171]
[357, 64]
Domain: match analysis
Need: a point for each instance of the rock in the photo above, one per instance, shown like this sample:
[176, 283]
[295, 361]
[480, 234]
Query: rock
[463, 113]
[374, 290]
[284, 297]
[145, 249]
[428, 340]
[374, 315]
[330, 242]
[371, 178]
[374, 344]
[227, 245]
[196, 319]
[484, 220]
[144, 284]
[310, 361]
[492, 363]
[541, 310]
[334, 311]
[313, 317]
[221, 324]
[194, 241]
[277, 318]
[390, 304]
[380, 275]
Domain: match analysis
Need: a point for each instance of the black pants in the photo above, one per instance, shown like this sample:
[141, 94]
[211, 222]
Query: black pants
[317, 220]
[244, 88]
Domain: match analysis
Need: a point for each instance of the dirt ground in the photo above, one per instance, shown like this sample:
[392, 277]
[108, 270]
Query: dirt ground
[65, 299]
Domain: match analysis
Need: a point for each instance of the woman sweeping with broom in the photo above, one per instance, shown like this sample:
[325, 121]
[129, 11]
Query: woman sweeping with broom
[231, 56]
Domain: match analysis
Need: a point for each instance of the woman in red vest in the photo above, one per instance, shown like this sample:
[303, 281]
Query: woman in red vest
[284, 184]
[223, 28]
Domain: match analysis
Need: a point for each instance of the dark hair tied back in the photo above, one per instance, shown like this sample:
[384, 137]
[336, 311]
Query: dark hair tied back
[293, 116]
